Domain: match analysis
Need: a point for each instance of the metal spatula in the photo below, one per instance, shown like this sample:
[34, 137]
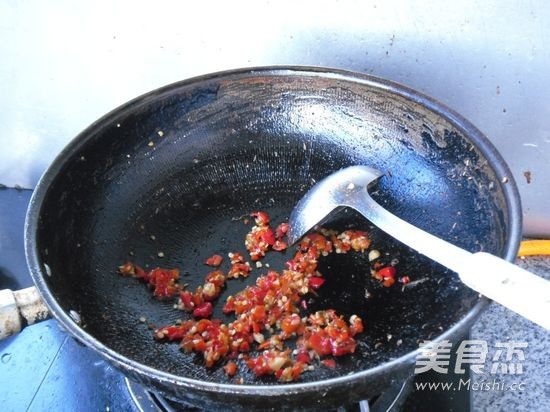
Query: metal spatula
[499, 280]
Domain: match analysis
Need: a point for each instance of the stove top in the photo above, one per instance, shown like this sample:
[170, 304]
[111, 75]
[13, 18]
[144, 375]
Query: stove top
[43, 368]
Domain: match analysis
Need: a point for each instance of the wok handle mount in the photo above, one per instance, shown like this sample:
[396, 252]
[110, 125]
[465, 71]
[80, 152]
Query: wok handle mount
[20, 308]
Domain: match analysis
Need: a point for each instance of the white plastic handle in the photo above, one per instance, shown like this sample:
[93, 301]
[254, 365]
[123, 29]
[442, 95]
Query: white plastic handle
[509, 285]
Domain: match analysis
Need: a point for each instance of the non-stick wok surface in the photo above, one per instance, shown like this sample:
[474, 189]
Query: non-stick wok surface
[175, 171]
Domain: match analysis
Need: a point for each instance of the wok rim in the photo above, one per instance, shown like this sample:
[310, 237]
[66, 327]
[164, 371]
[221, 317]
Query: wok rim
[495, 161]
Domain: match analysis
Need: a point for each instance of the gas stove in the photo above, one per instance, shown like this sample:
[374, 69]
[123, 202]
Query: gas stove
[43, 368]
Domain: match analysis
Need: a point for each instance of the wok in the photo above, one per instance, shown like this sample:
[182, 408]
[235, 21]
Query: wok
[171, 172]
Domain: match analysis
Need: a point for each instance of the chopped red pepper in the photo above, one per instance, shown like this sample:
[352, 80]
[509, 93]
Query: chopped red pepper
[171, 333]
[387, 282]
[203, 310]
[258, 313]
[303, 357]
[267, 313]
[316, 242]
[238, 266]
[387, 272]
[304, 261]
[329, 363]
[281, 230]
[261, 237]
[162, 281]
[355, 325]
[351, 239]
[230, 368]
[128, 269]
[316, 282]
[386, 275]
[290, 324]
[261, 218]
[235, 257]
[187, 300]
[327, 334]
[214, 260]
[216, 277]
[267, 236]
[209, 291]
[320, 343]
[279, 245]
[272, 362]
[239, 269]
[258, 240]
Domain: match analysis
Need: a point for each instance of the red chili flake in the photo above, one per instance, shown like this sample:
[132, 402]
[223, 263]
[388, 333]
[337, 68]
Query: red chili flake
[230, 368]
[238, 266]
[216, 277]
[258, 241]
[279, 245]
[261, 236]
[210, 337]
[320, 343]
[304, 261]
[164, 282]
[303, 357]
[274, 342]
[355, 325]
[235, 257]
[359, 240]
[350, 239]
[386, 272]
[229, 305]
[290, 373]
[316, 282]
[270, 363]
[127, 269]
[405, 279]
[130, 269]
[170, 332]
[281, 230]
[203, 310]
[267, 236]
[290, 324]
[258, 313]
[316, 242]
[387, 282]
[209, 291]
[261, 218]
[214, 260]
[329, 363]
[187, 300]
[341, 245]
[327, 333]
[239, 269]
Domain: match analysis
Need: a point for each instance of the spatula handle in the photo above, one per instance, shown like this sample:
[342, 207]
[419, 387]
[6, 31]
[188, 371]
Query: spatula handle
[509, 285]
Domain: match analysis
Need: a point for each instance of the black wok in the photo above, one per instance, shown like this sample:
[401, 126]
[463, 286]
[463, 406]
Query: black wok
[253, 139]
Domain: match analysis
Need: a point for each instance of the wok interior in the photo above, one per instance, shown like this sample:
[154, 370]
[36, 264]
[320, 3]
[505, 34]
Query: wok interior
[228, 148]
